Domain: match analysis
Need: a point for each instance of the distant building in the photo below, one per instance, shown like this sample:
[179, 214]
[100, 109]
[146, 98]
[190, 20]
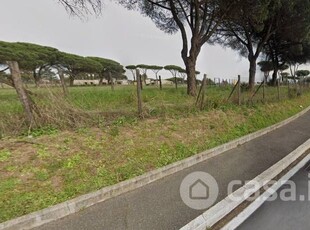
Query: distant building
[89, 82]
[150, 81]
[166, 82]
[122, 82]
[104, 82]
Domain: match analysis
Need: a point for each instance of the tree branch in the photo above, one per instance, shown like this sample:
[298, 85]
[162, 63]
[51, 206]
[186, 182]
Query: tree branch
[182, 29]
[185, 15]
[159, 5]
[3, 70]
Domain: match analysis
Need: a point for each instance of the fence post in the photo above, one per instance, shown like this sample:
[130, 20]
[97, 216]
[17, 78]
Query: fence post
[204, 84]
[140, 112]
[201, 94]
[160, 83]
[111, 80]
[176, 82]
[233, 90]
[141, 82]
[239, 90]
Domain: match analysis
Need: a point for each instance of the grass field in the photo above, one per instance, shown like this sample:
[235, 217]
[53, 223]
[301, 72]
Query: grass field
[59, 161]
[94, 106]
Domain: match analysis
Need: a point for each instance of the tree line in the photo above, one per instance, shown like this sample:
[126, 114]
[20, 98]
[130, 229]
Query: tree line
[38, 60]
[18, 57]
[276, 30]
[176, 71]
[273, 30]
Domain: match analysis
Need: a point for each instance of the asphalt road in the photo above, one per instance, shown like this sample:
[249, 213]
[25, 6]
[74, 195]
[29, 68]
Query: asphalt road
[284, 215]
[158, 206]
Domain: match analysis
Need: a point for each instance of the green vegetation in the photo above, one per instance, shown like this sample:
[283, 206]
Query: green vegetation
[98, 106]
[56, 144]
[38, 59]
[268, 28]
[57, 162]
[31, 59]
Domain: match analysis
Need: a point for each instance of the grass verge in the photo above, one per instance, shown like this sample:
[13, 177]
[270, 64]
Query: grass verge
[53, 166]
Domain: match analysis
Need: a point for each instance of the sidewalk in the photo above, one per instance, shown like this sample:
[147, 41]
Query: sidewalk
[158, 206]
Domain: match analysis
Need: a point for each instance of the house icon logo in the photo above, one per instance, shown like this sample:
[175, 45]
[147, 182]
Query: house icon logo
[199, 190]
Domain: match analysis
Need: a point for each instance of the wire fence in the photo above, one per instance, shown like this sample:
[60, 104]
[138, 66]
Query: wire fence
[95, 105]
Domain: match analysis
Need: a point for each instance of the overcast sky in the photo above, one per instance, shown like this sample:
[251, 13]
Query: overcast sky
[119, 34]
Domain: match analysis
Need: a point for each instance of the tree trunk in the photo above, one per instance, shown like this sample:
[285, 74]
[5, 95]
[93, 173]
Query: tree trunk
[144, 78]
[111, 81]
[252, 72]
[133, 74]
[62, 82]
[36, 78]
[139, 96]
[190, 63]
[274, 76]
[71, 78]
[191, 76]
[176, 82]
[100, 79]
[156, 79]
[21, 91]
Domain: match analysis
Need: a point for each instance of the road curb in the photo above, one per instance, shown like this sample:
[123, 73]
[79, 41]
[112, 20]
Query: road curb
[215, 214]
[61, 210]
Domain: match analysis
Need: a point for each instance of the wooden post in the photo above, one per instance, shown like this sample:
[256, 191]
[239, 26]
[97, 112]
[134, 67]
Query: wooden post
[141, 82]
[21, 91]
[176, 83]
[239, 90]
[139, 96]
[198, 96]
[233, 90]
[160, 83]
[203, 86]
[253, 95]
[111, 81]
[201, 94]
